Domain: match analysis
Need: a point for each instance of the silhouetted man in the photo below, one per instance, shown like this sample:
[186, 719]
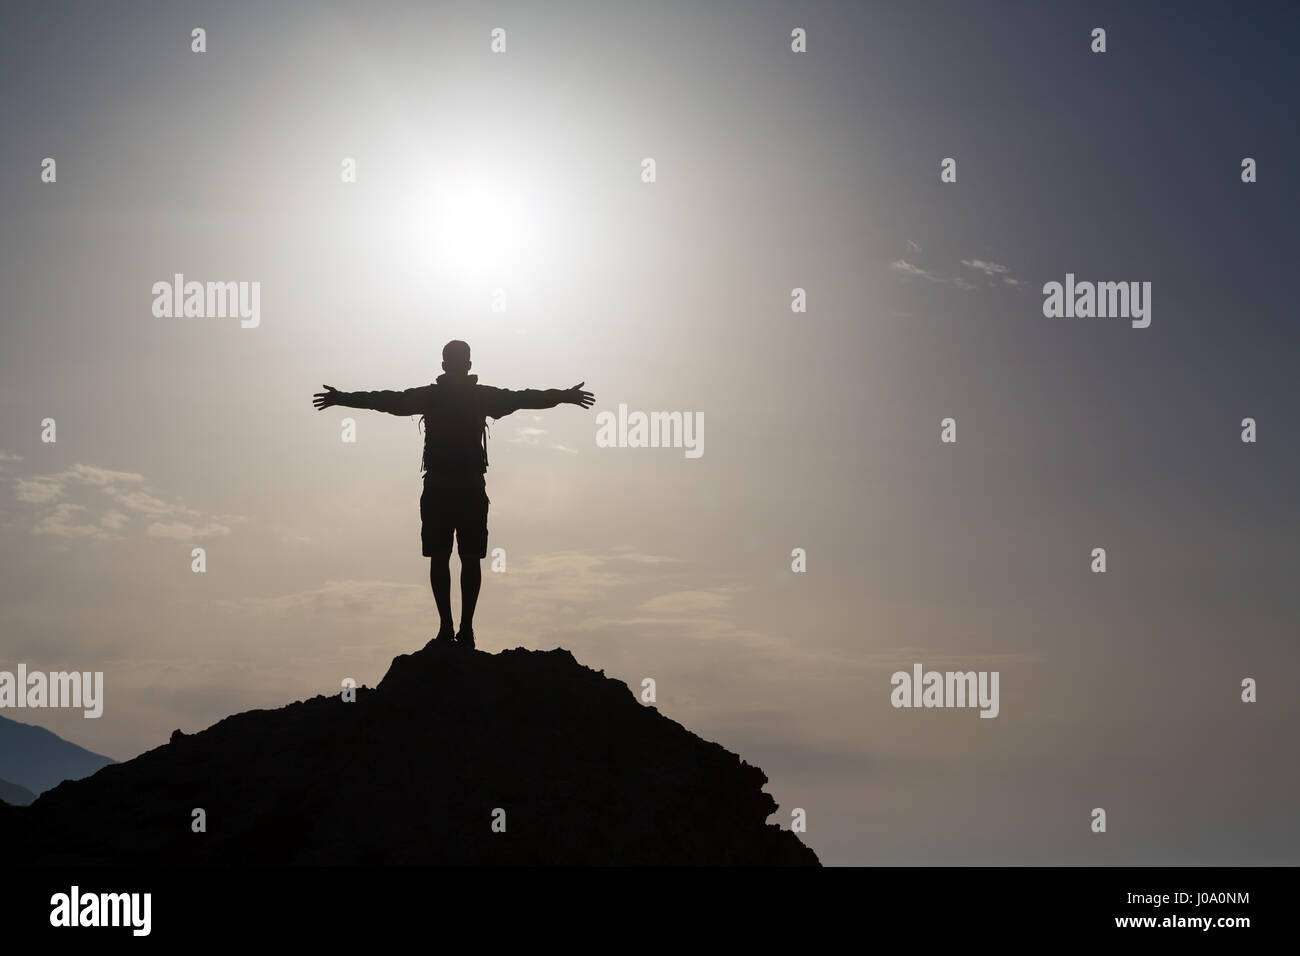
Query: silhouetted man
[455, 410]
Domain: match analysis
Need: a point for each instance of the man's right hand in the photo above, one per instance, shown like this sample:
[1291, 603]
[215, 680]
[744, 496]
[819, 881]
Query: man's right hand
[325, 399]
[576, 396]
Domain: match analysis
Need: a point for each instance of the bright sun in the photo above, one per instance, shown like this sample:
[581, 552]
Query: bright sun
[464, 230]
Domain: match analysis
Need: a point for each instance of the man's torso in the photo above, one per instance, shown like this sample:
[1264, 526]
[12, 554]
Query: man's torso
[455, 441]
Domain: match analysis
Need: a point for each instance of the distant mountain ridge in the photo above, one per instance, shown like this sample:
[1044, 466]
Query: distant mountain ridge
[12, 793]
[458, 757]
[36, 759]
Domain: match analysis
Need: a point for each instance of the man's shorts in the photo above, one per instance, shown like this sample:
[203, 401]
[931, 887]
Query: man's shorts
[459, 510]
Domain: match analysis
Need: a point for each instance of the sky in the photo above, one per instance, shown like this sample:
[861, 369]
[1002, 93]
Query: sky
[774, 170]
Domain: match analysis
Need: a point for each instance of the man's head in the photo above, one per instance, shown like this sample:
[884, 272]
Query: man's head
[455, 357]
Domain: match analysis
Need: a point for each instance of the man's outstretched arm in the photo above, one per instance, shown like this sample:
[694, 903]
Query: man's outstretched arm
[504, 400]
[394, 403]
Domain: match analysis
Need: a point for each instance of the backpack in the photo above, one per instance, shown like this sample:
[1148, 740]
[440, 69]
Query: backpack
[455, 432]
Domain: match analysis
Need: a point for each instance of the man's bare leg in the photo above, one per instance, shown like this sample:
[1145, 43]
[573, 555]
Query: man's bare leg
[471, 580]
[440, 581]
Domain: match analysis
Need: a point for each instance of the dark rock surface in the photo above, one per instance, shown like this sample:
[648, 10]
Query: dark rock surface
[412, 772]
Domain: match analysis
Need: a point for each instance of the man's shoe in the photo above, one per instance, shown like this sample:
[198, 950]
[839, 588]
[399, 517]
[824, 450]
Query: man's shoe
[446, 634]
[466, 637]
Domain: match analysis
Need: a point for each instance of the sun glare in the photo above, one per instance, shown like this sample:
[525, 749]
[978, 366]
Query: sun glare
[465, 231]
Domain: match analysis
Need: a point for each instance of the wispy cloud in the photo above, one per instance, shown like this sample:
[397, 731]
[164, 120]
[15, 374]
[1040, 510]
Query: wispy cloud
[127, 496]
[621, 592]
[697, 601]
[905, 268]
[528, 435]
[994, 272]
[65, 521]
[988, 268]
[37, 492]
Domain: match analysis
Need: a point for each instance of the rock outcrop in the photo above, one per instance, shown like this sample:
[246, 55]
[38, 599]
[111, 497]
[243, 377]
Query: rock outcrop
[457, 757]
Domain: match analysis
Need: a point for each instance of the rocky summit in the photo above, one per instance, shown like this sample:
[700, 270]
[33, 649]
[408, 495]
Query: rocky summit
[457, 757]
